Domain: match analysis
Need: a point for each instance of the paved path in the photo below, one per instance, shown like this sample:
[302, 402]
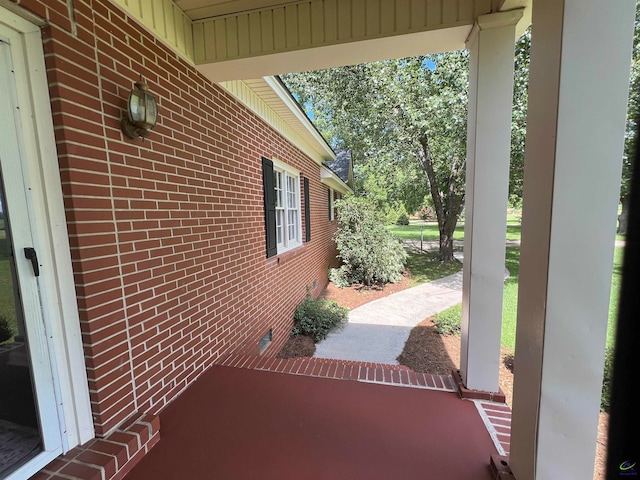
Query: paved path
[377, 330]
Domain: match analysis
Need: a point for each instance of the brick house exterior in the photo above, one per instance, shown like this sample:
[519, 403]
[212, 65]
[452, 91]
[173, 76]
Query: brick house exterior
[167, 235]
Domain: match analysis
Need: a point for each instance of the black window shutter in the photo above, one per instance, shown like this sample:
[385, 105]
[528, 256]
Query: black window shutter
[329, 202]
[307, 214]
[269, 207]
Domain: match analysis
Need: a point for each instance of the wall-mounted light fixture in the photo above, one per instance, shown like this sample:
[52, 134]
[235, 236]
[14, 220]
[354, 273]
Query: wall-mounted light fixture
[142, 112]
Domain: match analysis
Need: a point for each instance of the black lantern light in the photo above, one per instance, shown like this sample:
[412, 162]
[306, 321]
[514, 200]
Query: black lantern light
[142, 112]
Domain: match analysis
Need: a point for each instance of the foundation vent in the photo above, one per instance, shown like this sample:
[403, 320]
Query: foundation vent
[265, 341]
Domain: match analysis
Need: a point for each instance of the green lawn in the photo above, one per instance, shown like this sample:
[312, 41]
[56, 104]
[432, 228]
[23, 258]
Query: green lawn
[7, 301]
[616, 283]
[425, 267]
[510, 299]
[431, 233]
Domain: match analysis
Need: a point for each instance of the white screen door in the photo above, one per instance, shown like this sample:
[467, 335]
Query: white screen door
[29, 407]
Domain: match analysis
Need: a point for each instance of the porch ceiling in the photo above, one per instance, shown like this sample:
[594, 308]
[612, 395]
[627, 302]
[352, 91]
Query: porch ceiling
[238, 423]
[240, 39]
[235, 39]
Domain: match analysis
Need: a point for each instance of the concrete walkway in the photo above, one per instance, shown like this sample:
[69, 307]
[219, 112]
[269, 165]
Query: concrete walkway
[378, 330]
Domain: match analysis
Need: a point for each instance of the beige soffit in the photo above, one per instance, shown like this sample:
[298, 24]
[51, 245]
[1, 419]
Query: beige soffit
[272, 102]
[306, 24]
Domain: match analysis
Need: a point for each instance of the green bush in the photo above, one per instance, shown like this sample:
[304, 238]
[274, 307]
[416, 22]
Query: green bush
[316, 317]
[447, 322]
[403, 219]
[6, 330]
[607, 381]
[391, 213]
[370, 254]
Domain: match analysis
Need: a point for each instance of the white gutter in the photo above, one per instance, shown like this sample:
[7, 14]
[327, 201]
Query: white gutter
[331, 179]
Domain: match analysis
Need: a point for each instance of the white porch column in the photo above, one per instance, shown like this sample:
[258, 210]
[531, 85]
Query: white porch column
[578, 87]
[491, 48]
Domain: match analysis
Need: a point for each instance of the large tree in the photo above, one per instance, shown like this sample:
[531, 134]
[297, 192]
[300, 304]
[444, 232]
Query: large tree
[519, 119]
[631, 132]
[403, 115]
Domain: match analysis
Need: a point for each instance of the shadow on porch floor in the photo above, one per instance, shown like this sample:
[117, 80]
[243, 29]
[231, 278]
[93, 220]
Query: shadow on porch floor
[236, 423]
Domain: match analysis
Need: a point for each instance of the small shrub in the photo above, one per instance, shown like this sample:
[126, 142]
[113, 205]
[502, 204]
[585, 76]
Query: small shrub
[448, 321]
[340, 276]
[392, 214]
[316, 317]
[427, 214]
[6, 330]
[607, 381]
[369, 253]
[403, 219]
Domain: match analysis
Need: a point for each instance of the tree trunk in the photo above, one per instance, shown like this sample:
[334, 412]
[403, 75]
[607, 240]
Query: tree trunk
[446, 246]
[623, 218]
[447, 213]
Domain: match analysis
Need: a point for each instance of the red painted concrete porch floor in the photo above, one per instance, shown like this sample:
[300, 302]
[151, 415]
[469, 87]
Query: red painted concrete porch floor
[239, 423]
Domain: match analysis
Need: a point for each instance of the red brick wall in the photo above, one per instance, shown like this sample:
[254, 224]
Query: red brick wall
[167, 235]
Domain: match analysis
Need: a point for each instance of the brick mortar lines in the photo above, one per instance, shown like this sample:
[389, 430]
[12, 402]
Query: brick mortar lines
[109, 152]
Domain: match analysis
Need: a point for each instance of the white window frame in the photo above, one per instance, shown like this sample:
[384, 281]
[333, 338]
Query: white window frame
[332, 205]
[281, 173]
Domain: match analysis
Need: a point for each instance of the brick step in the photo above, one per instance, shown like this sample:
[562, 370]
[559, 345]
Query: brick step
[398, 375]
[109, 458]
[497, 418]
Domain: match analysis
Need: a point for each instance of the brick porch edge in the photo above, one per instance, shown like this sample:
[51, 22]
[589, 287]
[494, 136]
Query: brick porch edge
[109, 458]
[343, 370]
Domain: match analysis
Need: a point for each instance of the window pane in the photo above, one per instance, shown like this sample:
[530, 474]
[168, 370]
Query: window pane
[292, 224]
[279, 226]
[291, 192]
[278, 189]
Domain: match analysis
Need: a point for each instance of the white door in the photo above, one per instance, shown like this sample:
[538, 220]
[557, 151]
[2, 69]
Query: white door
[29, 407]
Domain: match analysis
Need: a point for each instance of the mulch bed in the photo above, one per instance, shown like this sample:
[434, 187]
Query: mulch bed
[356, 295]
[427, 351]
[298, 346]
[424, 338]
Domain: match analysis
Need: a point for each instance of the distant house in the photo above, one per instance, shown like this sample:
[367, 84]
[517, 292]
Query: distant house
[342, 166]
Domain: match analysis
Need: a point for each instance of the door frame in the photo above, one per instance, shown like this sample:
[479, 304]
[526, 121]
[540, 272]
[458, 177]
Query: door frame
[49, 229]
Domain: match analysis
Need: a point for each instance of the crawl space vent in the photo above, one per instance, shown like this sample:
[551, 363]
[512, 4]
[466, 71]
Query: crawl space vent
[265, 341]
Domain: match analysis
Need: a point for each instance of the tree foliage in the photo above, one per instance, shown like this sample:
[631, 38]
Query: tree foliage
[633, 109]
[406, 119]
[519, 119]
[370, 254]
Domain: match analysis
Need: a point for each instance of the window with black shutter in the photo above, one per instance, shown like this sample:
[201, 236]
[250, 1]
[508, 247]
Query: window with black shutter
[282, 207]
[269, 207]
[307, 211]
